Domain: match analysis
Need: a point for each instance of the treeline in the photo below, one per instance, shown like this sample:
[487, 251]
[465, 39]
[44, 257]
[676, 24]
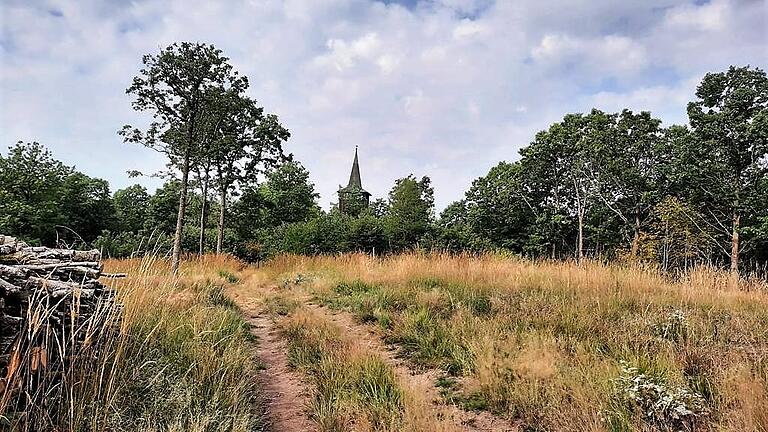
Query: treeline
[600, 185]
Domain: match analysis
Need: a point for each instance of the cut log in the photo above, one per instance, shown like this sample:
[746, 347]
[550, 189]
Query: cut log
[50, 299]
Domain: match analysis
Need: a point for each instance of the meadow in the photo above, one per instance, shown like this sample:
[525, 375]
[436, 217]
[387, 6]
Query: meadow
[546, 345]
[420, 342]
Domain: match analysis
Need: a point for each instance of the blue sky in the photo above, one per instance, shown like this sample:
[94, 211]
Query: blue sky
[444, 88]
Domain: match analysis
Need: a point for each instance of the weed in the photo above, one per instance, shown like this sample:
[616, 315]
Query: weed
[229, 276]
[651, 398]
[539, 341]
[280, 305]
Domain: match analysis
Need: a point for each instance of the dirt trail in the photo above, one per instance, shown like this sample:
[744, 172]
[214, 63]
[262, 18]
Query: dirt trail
[285, 395]
[421, 383]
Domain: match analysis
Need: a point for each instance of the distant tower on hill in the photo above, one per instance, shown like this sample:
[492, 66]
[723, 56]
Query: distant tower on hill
[353, 198]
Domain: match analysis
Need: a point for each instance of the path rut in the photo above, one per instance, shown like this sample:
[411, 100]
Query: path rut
[285, 395]
[422, 383]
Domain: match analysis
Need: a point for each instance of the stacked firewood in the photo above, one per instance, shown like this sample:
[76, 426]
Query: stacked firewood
[45, 293]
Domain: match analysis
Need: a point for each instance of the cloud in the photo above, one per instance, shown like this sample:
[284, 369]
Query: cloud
[444, 88]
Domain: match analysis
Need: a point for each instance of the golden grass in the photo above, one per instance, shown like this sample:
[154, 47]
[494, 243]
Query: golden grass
[181, 359]
[543, 342]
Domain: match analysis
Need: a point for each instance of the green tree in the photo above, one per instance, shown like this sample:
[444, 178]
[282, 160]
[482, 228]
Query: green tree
[31, 192]
[497, 207]
[730, 118]
[178, 86]
[289, 195]
[627, 172]
[87, 206]
[411, 210]
[249, 143]
[131, 208]
[162, 208]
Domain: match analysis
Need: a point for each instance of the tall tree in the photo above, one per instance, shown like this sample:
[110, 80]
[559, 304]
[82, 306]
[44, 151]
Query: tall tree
[411, 210]
[627, 175]
[249, 143]
[730, 118]
[176, 85]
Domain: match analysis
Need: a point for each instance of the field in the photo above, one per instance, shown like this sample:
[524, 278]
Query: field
[424, 343]
[529, 345]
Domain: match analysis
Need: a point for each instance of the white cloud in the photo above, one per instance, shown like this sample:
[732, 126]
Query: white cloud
[468, 29]
[609, 54]
[447, 88]
[709, 17]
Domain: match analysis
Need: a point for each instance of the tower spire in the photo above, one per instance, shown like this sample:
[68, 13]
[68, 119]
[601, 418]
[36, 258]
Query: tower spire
[354, 176]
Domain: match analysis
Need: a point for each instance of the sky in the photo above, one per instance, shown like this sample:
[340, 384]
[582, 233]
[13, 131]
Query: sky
[442, 88]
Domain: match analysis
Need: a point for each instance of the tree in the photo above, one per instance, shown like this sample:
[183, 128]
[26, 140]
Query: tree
[497, 207]
[564, 162]
[162, 208]
[730, 118]
[250, 142]
[411, 208]
[31, 192]
[627, 172]
[131, 208]
[87, 207]
[289, 194]
[177, 86]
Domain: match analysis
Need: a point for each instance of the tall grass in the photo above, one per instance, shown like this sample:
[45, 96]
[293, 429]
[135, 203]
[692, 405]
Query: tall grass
[558, 346]
[353, 387]
[180, 359]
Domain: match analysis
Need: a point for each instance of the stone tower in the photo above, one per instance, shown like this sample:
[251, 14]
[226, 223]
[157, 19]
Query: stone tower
[353, 198]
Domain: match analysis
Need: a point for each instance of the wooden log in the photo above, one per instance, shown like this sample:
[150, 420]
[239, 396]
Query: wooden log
[10, 289]
[61, 279]
[12, 272]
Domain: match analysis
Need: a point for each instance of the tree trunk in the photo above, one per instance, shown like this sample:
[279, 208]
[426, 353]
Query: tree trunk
[180, 218]
[203, 216]
[222, 214]
[636, 237]
[735, 249]
[581, 236]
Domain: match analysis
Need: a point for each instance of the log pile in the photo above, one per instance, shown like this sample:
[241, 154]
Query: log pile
[47, 296]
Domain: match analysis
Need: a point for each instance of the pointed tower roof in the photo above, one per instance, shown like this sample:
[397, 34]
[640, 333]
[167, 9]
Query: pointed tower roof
[354, 176]
[355, 184]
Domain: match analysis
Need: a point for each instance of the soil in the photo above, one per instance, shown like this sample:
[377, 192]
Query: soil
[285, 395]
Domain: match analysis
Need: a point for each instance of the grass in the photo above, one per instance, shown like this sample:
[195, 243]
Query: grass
[180, 359]
[354, 389]
[557, 346]
[350, 387]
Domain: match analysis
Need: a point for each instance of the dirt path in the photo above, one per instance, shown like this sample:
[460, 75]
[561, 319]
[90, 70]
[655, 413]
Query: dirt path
[420, 383]
[285, 395]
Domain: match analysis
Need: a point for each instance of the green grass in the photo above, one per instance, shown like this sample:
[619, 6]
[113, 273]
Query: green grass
[350, 387]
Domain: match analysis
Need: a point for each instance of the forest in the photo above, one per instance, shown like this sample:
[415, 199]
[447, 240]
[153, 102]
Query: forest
[599, 185]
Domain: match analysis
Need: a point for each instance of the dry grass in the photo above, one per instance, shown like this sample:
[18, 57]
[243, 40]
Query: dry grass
[354, 389]
[179, 361]
[544, 342]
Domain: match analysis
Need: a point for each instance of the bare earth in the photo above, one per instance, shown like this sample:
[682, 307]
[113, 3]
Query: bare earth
[285, 395]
